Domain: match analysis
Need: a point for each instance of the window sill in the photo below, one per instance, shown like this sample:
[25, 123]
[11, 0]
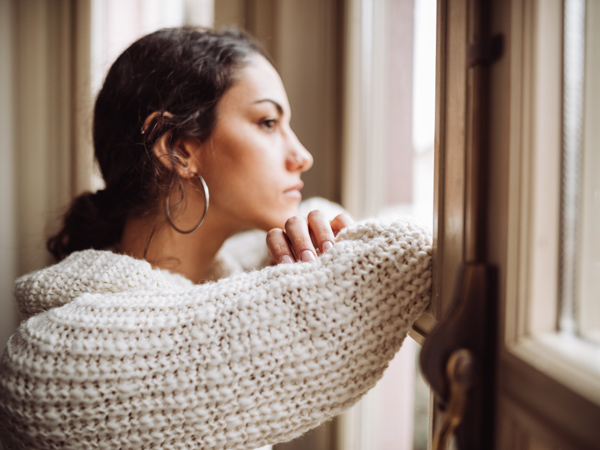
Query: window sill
[567, 359]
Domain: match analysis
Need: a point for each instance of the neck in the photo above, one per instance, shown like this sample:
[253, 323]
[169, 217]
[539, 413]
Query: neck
[191, 255]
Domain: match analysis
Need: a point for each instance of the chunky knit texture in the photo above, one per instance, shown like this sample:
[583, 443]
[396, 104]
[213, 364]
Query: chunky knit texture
[118, 355]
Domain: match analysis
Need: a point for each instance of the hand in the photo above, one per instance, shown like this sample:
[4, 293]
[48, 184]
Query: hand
[303, 240]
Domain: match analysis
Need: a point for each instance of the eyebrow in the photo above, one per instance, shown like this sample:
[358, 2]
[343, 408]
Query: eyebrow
[277, 105]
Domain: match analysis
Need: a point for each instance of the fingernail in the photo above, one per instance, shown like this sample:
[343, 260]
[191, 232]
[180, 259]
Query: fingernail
[308, 256]
[327, 245]
[287, 259]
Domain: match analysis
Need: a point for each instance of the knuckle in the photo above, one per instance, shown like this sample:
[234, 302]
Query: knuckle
[344, 218]
[315, 215]
[294, 221]
[274, 234]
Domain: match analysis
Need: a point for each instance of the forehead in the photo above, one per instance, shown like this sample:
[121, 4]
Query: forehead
[257, 80]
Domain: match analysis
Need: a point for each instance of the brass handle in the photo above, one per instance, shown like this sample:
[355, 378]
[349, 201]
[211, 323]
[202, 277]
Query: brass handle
[459, 371]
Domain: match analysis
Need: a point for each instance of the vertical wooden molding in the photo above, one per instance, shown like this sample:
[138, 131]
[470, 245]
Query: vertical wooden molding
[9, 252]
[32, 136]
[450, 145]
[82, 102]
[352, 196]
[230, 13]
[262, 21]
[365, 134]
[53, 118]
[439, 158]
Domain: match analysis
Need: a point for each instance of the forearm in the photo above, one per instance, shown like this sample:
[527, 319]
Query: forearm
[232, 361]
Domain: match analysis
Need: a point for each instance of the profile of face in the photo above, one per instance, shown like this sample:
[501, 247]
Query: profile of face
[252, 161]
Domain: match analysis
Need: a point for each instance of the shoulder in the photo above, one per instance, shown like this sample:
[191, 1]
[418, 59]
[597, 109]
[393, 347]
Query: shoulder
[88, 272]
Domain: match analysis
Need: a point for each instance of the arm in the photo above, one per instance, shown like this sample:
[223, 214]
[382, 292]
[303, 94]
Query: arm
[255, 358]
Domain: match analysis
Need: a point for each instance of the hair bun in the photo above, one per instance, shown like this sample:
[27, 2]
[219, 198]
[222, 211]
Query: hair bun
[87, 224]
[99, 198]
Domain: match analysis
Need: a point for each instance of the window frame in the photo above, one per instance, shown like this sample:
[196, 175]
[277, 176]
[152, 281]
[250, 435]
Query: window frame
[548, 383]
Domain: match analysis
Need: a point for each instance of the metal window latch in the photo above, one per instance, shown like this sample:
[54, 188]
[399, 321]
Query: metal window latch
[457, 361]
[459, 371]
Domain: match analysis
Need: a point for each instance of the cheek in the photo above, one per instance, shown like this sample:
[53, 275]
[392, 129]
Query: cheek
[239, 182]
[254, 164]
[245, 173]
[247, 148]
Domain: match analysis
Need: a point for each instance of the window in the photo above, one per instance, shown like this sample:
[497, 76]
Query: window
[549, 372]
[388, 153]
[580, 204]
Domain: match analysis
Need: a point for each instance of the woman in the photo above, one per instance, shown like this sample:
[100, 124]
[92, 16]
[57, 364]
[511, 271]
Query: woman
[130, 342]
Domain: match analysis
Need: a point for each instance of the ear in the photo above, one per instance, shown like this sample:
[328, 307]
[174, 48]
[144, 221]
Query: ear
[180, 156]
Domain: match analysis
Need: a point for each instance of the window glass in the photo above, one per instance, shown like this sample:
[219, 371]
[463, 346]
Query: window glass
[579, 309]
[392, 145]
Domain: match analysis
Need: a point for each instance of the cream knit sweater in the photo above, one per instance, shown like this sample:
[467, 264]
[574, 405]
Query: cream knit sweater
[118, 355]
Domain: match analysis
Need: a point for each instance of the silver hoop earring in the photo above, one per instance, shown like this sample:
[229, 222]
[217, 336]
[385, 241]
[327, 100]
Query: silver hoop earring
[168, 212]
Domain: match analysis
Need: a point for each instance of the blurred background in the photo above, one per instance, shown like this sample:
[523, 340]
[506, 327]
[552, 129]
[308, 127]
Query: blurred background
[360, 76]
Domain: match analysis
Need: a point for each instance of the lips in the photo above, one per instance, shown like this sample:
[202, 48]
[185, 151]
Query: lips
[297, 187]
[294, 191]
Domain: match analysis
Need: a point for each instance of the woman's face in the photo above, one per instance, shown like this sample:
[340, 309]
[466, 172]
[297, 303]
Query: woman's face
[252, 161]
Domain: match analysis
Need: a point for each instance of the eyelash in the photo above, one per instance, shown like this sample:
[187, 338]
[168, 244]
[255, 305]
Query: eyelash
[269, 124]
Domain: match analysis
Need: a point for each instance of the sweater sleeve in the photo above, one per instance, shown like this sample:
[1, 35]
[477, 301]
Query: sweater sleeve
[252, 359]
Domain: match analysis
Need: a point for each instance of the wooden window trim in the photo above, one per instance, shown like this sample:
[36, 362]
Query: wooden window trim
[545, 380]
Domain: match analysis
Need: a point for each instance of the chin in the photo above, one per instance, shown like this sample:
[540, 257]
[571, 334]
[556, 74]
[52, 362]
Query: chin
[291, 212]
[278, 220]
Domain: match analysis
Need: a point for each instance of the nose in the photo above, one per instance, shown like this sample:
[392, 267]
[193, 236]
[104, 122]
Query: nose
[297, 158]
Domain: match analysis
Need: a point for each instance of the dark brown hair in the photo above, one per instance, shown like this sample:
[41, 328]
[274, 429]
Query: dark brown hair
[182, 71]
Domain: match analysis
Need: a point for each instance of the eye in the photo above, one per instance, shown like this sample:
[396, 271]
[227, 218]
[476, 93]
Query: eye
[269, 124]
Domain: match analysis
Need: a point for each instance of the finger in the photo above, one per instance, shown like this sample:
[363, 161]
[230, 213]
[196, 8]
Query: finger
[340, 222]
[280, 251]
[296, 229]
[321, 231]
